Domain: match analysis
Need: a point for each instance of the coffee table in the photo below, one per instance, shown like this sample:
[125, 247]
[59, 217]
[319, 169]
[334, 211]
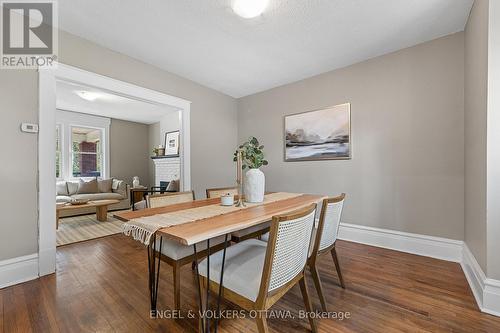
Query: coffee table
[101, 209]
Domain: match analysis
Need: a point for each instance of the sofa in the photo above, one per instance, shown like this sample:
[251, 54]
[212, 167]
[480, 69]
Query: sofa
[95, 189]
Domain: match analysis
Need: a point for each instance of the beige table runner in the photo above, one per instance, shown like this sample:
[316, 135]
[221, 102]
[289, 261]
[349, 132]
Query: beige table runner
[143, 228]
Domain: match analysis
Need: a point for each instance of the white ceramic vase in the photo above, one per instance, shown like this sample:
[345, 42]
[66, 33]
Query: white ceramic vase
[255, 183]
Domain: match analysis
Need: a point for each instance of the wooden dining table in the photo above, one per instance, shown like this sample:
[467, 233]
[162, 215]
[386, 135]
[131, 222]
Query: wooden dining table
[192, 233]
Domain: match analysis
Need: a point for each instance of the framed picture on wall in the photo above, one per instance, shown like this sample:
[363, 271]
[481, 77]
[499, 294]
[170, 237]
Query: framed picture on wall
[172, 143]
[319, 135]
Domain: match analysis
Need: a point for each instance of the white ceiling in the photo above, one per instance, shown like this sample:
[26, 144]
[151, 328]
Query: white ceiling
[203, 40]
[108, 104]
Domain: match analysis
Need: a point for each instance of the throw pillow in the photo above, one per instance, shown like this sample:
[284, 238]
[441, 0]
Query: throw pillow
[61, 188]
[105, 185]
[120, 187]
[173, 186]
[72, 187]
[116, 182]
[87, 187]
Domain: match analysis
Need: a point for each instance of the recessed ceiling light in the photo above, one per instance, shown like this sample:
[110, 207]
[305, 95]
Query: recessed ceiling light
[88, 95]
[249, 8]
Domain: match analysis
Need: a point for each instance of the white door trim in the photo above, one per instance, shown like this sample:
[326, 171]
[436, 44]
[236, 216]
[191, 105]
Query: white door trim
[46, 143]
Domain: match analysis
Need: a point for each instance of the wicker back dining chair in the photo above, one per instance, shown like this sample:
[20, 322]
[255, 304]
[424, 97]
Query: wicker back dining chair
[165, 199]
[219, 192]
[324, 241]
[258, 274]
[240, 235]
[173, 253]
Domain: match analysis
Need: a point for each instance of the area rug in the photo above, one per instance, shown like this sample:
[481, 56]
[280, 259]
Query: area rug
[81, 228]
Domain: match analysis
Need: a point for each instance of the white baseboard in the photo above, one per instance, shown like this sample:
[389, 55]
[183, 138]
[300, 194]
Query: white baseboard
[17, 270]
[429, 246]
[486, 291]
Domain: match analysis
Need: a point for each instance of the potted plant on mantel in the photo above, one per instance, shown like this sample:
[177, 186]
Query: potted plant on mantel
[253, 158]
[159, 151]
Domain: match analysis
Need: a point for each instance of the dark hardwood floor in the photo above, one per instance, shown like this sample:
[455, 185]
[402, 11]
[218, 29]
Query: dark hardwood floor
[101, 286]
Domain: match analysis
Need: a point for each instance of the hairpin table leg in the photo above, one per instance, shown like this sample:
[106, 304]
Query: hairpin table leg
[219, 296]
[154, 272]
[205, 324]
[200, 298]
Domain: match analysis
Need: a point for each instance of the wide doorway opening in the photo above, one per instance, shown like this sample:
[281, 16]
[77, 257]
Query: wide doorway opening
[100, 143]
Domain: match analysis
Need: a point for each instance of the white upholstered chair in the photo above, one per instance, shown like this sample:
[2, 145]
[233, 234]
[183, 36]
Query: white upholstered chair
[324, 238]
[258, 274]
[176, 254]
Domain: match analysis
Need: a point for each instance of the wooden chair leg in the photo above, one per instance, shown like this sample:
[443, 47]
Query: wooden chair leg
[262, 324]
[337, 266]
[177, 286]
[307, 303]
[317, 285]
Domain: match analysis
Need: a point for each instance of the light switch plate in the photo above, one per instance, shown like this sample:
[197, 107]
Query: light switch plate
[29, 128]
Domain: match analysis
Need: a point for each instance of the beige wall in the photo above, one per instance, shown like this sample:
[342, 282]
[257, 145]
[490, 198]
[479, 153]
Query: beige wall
[482, 135]
[213, 137]
[129, 151]
[153, 141]
[493, 207]
[476, 80]
[407, 170]
[156, 134]
[18, 169]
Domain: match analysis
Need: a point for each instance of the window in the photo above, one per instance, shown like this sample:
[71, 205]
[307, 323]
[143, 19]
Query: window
[82, 145]
[86, 152]
[59, 163]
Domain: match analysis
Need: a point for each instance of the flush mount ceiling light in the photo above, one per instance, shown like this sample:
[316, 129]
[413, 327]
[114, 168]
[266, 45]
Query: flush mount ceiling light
[249, 8]
[88, 95]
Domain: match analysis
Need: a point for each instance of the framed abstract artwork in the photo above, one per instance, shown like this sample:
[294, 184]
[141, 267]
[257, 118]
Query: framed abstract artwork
[319, 135]
[172, 143]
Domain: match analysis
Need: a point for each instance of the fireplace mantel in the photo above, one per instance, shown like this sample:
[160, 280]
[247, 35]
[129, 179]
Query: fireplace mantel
[164, 156]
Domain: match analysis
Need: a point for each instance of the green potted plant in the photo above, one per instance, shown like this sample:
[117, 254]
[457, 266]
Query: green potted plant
[159, 151]
[252, 153]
